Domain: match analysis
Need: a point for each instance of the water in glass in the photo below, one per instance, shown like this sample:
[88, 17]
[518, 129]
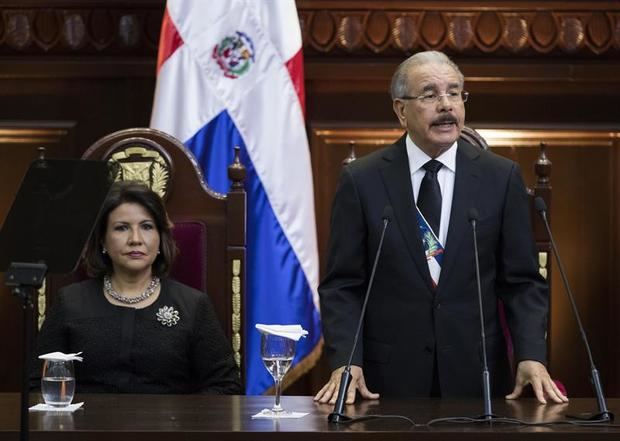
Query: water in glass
[277, 367]
[58, 382]
[277, 354]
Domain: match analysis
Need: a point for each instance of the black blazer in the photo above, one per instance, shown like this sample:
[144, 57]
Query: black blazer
[407, 321]
[128, 350]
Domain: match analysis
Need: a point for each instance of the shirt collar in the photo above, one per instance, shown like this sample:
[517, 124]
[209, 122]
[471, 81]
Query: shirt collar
[417, 158]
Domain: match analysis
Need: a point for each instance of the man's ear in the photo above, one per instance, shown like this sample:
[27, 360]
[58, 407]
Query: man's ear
[399, 110]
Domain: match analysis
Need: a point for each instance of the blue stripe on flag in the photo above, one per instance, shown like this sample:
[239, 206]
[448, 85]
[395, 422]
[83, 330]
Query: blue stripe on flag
[278, 291]
[220, 132]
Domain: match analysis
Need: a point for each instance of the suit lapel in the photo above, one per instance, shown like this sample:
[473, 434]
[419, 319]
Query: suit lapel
[466, 183]
[397, 178]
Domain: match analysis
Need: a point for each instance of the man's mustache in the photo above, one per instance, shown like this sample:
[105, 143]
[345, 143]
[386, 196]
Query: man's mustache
[444, 119]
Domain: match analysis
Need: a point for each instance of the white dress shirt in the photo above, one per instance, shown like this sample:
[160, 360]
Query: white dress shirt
[445, 176]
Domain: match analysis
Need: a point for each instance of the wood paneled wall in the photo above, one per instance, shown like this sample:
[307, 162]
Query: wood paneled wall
[88, 68]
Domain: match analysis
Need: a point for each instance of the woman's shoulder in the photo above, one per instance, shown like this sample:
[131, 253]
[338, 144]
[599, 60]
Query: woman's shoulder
[191, 300]
[85, 287]
[79, 298]
[180, 291]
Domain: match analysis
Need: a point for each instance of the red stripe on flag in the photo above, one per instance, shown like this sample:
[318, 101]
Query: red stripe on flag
[295, 68]
[169, 40]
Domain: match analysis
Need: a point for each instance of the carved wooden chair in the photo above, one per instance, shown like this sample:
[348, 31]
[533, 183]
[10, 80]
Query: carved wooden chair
[209, 227]
[541, 188]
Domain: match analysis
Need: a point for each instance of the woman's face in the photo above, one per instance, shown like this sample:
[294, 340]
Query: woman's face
[131, 239]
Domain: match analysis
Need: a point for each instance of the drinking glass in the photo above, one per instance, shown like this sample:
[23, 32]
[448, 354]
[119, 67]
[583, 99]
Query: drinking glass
[277, 353]
[58, 382]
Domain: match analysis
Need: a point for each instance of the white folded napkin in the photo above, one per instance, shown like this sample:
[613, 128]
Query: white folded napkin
[47, 408]
[61, 356]
[268, 414]
[294, 332]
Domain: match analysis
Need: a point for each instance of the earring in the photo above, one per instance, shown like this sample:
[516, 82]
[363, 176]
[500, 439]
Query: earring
[158, 251]
[104, 251]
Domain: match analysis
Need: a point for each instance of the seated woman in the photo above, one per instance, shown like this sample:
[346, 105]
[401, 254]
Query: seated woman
[139, 331]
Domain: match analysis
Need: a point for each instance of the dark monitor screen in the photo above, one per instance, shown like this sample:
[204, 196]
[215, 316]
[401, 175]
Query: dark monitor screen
[54, 213]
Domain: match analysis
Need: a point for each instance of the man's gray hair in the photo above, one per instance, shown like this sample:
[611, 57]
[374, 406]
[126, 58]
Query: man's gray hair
[399, 87]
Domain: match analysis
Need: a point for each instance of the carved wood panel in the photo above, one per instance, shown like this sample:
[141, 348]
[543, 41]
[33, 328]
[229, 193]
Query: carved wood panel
[70, 28]
[523, 28]
[531, 29]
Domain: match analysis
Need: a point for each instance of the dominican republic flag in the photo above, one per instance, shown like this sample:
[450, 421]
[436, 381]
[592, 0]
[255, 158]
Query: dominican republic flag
[230, 73]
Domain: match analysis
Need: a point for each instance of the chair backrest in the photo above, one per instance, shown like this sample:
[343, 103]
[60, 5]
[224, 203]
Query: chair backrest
[210, 228]
[474, 138]
[541, 188]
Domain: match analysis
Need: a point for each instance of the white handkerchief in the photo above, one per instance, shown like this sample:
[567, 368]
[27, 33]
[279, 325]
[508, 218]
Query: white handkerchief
[47, 408]
[294, 332]
[61, 356]
[267, 413]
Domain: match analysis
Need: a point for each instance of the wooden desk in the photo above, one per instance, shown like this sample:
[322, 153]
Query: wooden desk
[195, 417]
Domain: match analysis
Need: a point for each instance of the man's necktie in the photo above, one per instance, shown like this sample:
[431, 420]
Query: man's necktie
[429, 196]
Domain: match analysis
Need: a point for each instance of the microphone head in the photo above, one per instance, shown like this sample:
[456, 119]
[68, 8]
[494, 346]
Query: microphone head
[472, 214]
[387, 213]
[539, 204]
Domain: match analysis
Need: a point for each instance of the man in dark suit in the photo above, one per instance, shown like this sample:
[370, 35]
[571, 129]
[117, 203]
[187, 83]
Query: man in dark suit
[421, 333]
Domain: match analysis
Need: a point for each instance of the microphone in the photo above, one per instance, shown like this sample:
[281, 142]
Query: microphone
[338, 415]
[486, 383]
[604, 415]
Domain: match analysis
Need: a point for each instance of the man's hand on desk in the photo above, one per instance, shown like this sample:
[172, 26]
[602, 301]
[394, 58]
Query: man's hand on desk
[521, 411]
[329, 392]
[535, 373]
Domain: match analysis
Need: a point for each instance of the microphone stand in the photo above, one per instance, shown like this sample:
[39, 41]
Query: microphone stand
[604, 414]
[25, 279]
[488, 416]
[338, 416]
[486, 383]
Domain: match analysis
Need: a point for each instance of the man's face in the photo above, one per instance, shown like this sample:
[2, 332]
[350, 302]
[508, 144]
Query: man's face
[435, 125]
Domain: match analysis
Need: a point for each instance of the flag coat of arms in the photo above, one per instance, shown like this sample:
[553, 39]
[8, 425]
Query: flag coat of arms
[230, 73]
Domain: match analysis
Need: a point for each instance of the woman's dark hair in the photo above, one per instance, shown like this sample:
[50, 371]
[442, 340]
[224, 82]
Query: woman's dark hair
[97, 263]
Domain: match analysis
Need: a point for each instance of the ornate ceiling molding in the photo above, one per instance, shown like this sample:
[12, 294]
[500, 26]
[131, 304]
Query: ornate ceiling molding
[334, 29]
[72, 28]
[528, 29]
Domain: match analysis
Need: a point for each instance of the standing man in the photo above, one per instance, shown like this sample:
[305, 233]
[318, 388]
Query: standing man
[421, 333]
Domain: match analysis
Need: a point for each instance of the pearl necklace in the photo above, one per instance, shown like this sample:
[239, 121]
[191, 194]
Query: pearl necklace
[107, 288]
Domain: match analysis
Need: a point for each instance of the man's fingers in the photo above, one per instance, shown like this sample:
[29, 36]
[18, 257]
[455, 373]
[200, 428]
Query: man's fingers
[554, 393]
[516, 392]
[538, 390]
[351, 392]
[364, 392]
[334, 394]
[321, 392]
[536, 374]
[327, 392]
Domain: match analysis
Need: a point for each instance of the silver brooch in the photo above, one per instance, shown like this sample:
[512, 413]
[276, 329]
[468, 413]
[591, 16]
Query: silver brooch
[167, 316]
